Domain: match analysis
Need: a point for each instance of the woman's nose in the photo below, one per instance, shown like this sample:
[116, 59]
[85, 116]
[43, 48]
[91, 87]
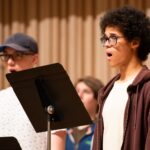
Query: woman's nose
[80, 94]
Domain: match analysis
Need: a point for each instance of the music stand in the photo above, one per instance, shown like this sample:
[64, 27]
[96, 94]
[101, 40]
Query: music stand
[9, 143]
[49, 98]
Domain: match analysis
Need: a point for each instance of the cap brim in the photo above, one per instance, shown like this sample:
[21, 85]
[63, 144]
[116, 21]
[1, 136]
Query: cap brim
[14, 46]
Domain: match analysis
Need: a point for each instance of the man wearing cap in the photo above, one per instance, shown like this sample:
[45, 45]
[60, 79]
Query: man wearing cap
[20, 52]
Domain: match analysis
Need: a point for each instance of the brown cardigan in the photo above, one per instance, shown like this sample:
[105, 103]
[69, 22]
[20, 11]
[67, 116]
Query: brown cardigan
[136, 117]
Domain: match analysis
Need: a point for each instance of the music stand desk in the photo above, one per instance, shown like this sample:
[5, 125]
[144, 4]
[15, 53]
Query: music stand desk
[49, 85]
[9, 143]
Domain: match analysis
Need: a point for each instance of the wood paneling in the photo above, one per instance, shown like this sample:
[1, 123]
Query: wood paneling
[67, 32]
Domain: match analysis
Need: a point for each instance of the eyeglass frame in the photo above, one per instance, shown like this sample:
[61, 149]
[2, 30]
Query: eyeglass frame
[112, 40]
[15, 56]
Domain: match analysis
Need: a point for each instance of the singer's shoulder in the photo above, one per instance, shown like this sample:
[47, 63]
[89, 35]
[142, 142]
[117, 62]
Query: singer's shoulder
[8, 89]
[5, 92]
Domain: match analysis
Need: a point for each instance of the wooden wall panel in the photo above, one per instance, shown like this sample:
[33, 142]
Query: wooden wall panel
[67, 32]
[63, 51]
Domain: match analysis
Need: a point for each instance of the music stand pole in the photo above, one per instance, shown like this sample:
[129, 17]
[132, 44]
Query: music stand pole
[50, 111]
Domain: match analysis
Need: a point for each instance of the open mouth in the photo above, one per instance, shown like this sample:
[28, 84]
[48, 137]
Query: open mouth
[11, 71]
[109, 54]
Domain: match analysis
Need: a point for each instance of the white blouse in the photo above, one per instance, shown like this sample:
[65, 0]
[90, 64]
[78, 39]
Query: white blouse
[14, 122]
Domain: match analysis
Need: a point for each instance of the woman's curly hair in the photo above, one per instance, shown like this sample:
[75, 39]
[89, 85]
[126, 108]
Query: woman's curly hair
[133, 23]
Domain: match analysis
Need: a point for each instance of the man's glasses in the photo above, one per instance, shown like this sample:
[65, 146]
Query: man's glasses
[15, 56]
[112, 40]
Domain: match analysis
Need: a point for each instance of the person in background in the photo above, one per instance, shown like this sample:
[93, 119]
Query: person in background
[124, 115]
[80, 138]
[20, 52]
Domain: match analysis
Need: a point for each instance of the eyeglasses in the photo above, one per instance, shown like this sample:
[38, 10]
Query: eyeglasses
[112, 40]
[15, 56]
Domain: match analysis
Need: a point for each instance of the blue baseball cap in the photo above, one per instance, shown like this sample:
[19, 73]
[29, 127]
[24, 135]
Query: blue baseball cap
[20, 42]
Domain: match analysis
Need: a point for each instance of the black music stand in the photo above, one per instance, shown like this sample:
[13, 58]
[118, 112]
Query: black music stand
[49, 98]
[9, 143]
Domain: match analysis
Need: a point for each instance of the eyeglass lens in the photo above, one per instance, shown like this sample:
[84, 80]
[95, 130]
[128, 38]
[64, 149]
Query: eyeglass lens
[112, 40]
[16, 56]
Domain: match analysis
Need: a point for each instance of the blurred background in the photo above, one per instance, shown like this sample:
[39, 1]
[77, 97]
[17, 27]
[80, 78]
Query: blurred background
[67, 31]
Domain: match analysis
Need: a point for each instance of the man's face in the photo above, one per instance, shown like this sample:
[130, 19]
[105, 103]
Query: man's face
[18, 61]
[119, 51]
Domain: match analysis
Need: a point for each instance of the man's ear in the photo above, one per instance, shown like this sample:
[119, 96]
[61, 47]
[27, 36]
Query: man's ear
[36, 59]
[135, 43]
